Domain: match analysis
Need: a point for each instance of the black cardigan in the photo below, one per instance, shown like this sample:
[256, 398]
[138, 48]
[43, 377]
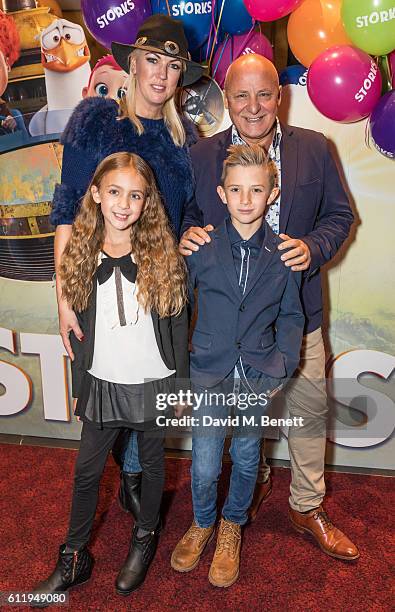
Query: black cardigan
[171, 335]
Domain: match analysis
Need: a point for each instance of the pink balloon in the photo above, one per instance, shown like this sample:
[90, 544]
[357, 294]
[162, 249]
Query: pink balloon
[270, 10]
[237, 45]
[344, 83]
[392, 64]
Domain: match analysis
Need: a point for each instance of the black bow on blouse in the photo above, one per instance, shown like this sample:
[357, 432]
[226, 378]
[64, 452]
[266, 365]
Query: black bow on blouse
[127, 267]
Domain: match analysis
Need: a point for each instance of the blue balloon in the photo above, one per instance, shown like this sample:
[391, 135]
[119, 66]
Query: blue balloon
[294, 75]
[199, 55]
[195, 16]
[235, 17]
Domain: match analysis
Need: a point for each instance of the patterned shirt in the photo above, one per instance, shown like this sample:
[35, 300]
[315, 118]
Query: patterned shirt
[273, 214]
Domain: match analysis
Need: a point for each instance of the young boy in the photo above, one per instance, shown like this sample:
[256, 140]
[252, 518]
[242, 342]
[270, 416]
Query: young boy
[247, 338]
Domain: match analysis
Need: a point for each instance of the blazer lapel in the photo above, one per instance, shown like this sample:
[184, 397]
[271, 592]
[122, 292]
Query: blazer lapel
[289, 166]
[268, 250]
[225, 257]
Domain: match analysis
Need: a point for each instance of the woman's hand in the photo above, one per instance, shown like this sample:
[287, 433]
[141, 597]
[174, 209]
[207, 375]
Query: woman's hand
[68, 322]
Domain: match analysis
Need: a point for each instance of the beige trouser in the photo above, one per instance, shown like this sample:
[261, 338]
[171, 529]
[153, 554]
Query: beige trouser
[305, 397]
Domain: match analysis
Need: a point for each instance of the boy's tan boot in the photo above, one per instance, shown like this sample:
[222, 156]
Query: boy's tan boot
[188, 551]
[224, 569]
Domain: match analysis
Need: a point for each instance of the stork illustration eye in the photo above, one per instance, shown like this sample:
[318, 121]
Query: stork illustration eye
[73, 35]
[51, 40]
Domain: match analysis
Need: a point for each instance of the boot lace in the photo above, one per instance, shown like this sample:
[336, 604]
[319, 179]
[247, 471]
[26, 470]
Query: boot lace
[228, 538]
[325, 520]
[196, 533]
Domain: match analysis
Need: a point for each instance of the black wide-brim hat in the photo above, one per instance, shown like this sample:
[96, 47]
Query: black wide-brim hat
[164, 35]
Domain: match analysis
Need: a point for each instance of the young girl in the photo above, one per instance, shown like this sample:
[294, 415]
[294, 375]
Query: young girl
[121, 272]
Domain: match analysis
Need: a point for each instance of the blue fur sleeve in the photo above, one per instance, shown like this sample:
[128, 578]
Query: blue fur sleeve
[65, 204]
[83, 140]
[91, 124]
[77, 170]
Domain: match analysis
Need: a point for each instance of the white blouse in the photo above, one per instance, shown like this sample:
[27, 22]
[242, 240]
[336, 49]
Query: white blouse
[125, 354]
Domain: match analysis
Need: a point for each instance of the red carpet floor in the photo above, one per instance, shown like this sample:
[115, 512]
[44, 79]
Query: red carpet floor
[280, 570]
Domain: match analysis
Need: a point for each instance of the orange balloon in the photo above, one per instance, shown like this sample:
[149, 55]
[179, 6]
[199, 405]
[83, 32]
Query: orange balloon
[315, 26]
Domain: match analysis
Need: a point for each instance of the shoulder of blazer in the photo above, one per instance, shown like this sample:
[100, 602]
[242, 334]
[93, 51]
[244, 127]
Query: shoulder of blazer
[208, 146]
[310, 138]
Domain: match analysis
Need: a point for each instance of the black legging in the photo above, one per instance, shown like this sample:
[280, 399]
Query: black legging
[94, 448]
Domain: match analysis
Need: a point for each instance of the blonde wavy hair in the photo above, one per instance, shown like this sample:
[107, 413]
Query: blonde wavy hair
[161, 271]
[170, 114]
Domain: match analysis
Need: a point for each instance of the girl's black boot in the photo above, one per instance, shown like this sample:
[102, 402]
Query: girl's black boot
[71, 569]
[141, 554]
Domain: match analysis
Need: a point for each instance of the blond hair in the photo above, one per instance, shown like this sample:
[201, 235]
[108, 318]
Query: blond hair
[170, 114]
[161, 271]
[250, 155]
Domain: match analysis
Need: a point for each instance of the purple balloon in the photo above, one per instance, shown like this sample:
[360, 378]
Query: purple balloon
[344, 83]
[113, 20]
[231, 48]
[392, 65]
[382, 125]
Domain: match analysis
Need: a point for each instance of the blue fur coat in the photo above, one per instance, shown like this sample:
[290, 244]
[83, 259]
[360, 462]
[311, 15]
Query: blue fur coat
[93, 132]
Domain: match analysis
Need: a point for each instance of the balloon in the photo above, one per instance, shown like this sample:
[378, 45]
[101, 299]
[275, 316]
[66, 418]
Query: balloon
[270, 10]
[370, 24]
[382, 125]
[344, 83]
[200, 55]
[392, 66]
[293, 75]
[195, 16]
[233, 47]
[235, 17]
[112, 21]
[315, 26]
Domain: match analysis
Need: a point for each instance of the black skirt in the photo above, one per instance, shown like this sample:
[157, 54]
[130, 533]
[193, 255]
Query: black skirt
[108, 404]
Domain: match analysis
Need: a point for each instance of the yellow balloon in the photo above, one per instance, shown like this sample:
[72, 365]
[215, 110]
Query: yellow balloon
[315, 26]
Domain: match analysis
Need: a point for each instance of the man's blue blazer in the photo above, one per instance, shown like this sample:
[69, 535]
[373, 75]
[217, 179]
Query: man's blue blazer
[314, 206]
[264, 325]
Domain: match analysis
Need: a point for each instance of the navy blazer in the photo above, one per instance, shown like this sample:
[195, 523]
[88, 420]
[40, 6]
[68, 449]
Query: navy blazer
[264, 325]
[314, 206]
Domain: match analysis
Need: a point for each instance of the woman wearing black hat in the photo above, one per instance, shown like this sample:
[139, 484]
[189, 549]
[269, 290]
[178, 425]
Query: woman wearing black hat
[148, 124]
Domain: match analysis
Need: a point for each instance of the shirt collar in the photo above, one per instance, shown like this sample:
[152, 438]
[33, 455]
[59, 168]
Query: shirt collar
[256, 239]
[237, 139]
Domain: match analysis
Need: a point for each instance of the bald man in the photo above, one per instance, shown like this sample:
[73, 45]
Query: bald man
[313, 217]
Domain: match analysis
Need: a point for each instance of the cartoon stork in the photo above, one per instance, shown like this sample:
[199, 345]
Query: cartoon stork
[65, 56]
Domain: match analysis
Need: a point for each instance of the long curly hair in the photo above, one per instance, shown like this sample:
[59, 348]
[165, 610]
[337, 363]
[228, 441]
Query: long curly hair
[161, 271]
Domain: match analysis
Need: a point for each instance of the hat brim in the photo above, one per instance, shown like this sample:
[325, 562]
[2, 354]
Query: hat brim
[121, 54]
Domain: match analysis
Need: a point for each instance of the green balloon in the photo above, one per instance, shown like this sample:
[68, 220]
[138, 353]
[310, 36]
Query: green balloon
[370, 24]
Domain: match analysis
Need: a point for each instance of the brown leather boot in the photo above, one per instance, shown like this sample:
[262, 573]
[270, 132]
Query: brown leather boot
[189, 549]
[331, 540]
[224, 569]
[262, 492]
